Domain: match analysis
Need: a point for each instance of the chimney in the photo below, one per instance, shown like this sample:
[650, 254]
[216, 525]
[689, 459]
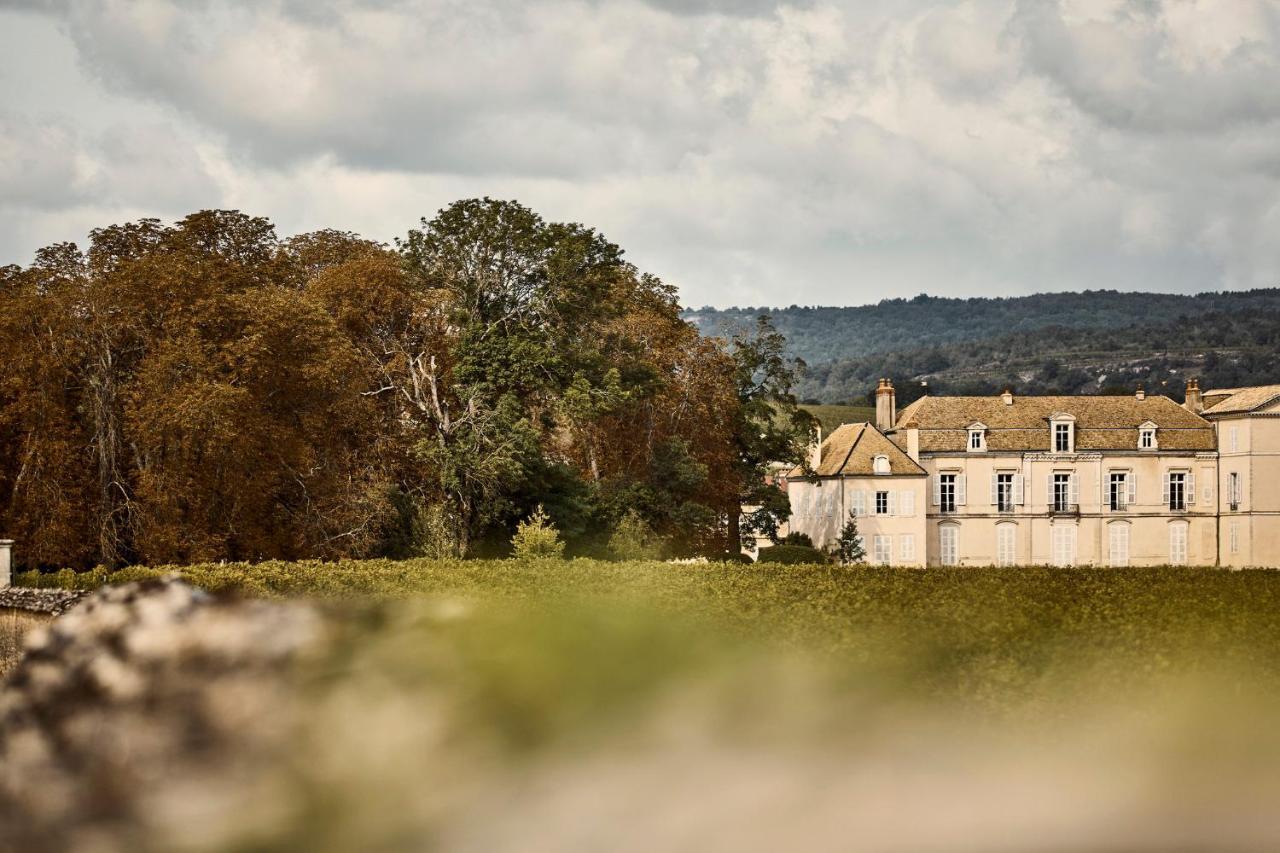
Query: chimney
[886, 406]
[913, 441]
[1141, 393]
[1007, 397]
[815, 450]
[6, 563]
[1194, 402]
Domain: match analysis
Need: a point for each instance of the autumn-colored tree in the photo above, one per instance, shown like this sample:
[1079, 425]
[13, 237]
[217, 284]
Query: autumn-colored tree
[206, 391]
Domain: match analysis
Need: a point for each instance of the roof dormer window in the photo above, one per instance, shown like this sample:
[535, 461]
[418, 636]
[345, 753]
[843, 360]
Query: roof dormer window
[1062, 433]
[880, 464]
[1147, 437]
[977, 437]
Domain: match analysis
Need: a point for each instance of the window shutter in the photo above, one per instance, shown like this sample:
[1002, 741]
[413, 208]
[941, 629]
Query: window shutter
[960, 489]
[893, 503]
[995, 488]
[1074, 480]
[1191, 487]
[1164, 489]
[937, 489]
[1048, 492]
[1131, 480]
[1018, 496]
[909, 503]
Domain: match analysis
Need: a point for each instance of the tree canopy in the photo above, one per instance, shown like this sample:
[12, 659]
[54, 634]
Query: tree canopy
[208, 391]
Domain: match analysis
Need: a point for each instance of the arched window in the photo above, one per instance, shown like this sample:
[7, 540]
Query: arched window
[881, 464]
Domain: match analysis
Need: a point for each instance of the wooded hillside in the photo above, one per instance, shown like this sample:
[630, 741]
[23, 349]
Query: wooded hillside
[1072, 343]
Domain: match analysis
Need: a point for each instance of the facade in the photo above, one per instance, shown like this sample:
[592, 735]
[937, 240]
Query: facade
[1103, 481]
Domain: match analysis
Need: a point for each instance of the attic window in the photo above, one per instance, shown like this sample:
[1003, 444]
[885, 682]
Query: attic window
[1062, 432]
[977, 438]
[881, 464]
[1147, 437]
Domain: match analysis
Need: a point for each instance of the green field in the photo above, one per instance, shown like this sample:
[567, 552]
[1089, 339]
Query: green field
[831, 416]
[474, 702]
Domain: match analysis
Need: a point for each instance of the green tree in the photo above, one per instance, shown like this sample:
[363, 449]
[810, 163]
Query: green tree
[849, 549]
[769, 428]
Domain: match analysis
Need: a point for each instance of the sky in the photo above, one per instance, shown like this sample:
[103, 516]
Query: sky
[750, 152]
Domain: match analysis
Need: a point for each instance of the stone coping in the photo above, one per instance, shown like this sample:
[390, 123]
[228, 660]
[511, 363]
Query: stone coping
[52, 601]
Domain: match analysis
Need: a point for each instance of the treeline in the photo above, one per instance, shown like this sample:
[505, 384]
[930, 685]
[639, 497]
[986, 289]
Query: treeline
[819, 334]
[207, 391]
[1222, 349]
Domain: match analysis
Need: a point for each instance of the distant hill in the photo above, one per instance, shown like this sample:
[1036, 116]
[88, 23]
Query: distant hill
[833, 416]
[1065, 343]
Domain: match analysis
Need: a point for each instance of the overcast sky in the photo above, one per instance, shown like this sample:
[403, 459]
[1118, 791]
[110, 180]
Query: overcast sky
[749, 152]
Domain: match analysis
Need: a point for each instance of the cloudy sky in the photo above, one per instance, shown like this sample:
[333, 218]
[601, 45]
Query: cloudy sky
[751, 152]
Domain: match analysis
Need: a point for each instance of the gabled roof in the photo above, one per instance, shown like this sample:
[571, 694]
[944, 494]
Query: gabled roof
[851, 451]
[1237, 400]
[1101, 423]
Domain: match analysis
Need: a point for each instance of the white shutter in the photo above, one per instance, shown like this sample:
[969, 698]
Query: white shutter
[937, 489]
[893, 503]
[1191, 487]
[1131, 480]
[995, 489]
[1164, 489]
[1074, 480]
[1018, 496]
[1048, 492]
[960, 489]
[908, 503]
[860, 502]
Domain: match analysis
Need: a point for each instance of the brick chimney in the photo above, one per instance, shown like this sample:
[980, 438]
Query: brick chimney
[1194, 402]
[1141, 393]
[886, 406]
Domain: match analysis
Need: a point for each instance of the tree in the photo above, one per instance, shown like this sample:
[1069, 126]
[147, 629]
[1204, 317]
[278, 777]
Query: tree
[849, 549]
[769, 428]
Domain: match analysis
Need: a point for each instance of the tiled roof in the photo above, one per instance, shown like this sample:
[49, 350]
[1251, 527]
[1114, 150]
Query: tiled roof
[1241, 399]
[1102, 423]
[851, 450]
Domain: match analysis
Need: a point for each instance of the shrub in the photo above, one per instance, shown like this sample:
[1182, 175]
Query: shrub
[634, 539]
[537, 538]
[791, 555]
[798, 539]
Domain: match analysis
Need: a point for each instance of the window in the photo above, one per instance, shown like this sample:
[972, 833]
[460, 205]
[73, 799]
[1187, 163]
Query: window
[1006, 544]
[1120, 490]
[977, 437]
[907, 503]
[859, 500]
[1178, 543]
[949, 541]
[1233, 490]
[1234, 436]
[907, 547]
[1118, 541]
[1147, 438]
[882, 503]
[881, 465]
[1003, 498]
[1178, 490]
[882, 549]
[1062, 437]
[1234, 537]
[1064, 545]
[1061, 492]
[948, 492]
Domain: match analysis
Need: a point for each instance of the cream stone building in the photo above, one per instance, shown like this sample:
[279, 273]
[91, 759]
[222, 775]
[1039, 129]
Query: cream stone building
[1007, 480]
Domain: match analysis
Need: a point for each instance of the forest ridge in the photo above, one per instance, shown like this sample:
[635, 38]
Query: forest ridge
[1070, 343]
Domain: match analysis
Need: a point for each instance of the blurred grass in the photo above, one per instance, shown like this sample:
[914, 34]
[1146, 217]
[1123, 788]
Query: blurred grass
[486, 700]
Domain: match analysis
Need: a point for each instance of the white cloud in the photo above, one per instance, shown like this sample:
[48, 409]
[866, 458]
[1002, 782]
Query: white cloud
[749, 152]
